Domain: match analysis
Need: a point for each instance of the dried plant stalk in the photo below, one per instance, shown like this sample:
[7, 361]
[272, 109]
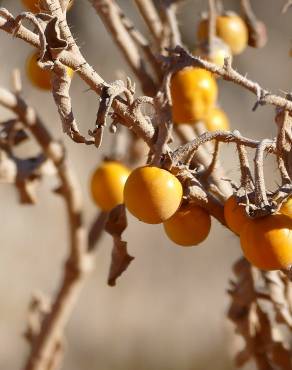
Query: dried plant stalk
[79, 261]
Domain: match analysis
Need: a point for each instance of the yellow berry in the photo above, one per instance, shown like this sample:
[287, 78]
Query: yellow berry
[107, 184]
[266, 242]
[235, 215]
[216, 120]
[189, 226]
[286, 208]
[152, 194]
[193, 91]
[39, 77]
[230, 28]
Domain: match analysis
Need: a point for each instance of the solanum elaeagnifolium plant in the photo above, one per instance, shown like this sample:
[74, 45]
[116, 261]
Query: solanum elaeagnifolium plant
[172, 103]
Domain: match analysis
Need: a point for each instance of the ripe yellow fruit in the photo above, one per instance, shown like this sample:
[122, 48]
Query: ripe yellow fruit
[286, 208]
[107, 184]
[39, 77]
[33, 5]
[152, 194]
[230, 28]
[216, 120]
[189, 226]
[217, 55]
[193, 92]
[235, 215]
[267, 242]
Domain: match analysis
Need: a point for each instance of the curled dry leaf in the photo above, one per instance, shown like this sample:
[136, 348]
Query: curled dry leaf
[61, 86]
[53, 36]
[115, 226]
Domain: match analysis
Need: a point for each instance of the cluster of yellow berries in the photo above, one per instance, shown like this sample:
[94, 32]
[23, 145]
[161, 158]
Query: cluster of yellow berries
[154, 196]
[194, 90]
[267, 241]
[40, 78]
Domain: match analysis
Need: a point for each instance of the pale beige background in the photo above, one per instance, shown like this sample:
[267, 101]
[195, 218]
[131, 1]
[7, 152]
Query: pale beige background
[167, 311]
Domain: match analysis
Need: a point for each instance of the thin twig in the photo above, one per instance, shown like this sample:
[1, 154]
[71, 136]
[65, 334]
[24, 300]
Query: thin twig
[181, 58]
[211, 23]
[168, 10]
[186, 152]
[282, 120]
[214, 161]
[260, 188]
[151, 17]
[114, 20]
[201, 157]
[246, 181]
[257, 33]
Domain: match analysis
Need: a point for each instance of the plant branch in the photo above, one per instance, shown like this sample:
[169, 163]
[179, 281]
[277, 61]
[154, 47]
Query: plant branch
[211, 23]
[78, 262]
[201, 157]
[151, 18]
[181, 58]
[74, 59]
[168, 11]
[126, 38]
[186, 152]
[260, 188]
[257, 33]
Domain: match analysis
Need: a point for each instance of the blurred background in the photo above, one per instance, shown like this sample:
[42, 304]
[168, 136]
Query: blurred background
[168, 310]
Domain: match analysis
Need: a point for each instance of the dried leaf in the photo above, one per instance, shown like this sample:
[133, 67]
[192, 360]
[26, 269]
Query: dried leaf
[258, 299]
[116, 224]
[117, 221]
[277, 288]
[120, 261]
[53, 37]
[61, 86]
